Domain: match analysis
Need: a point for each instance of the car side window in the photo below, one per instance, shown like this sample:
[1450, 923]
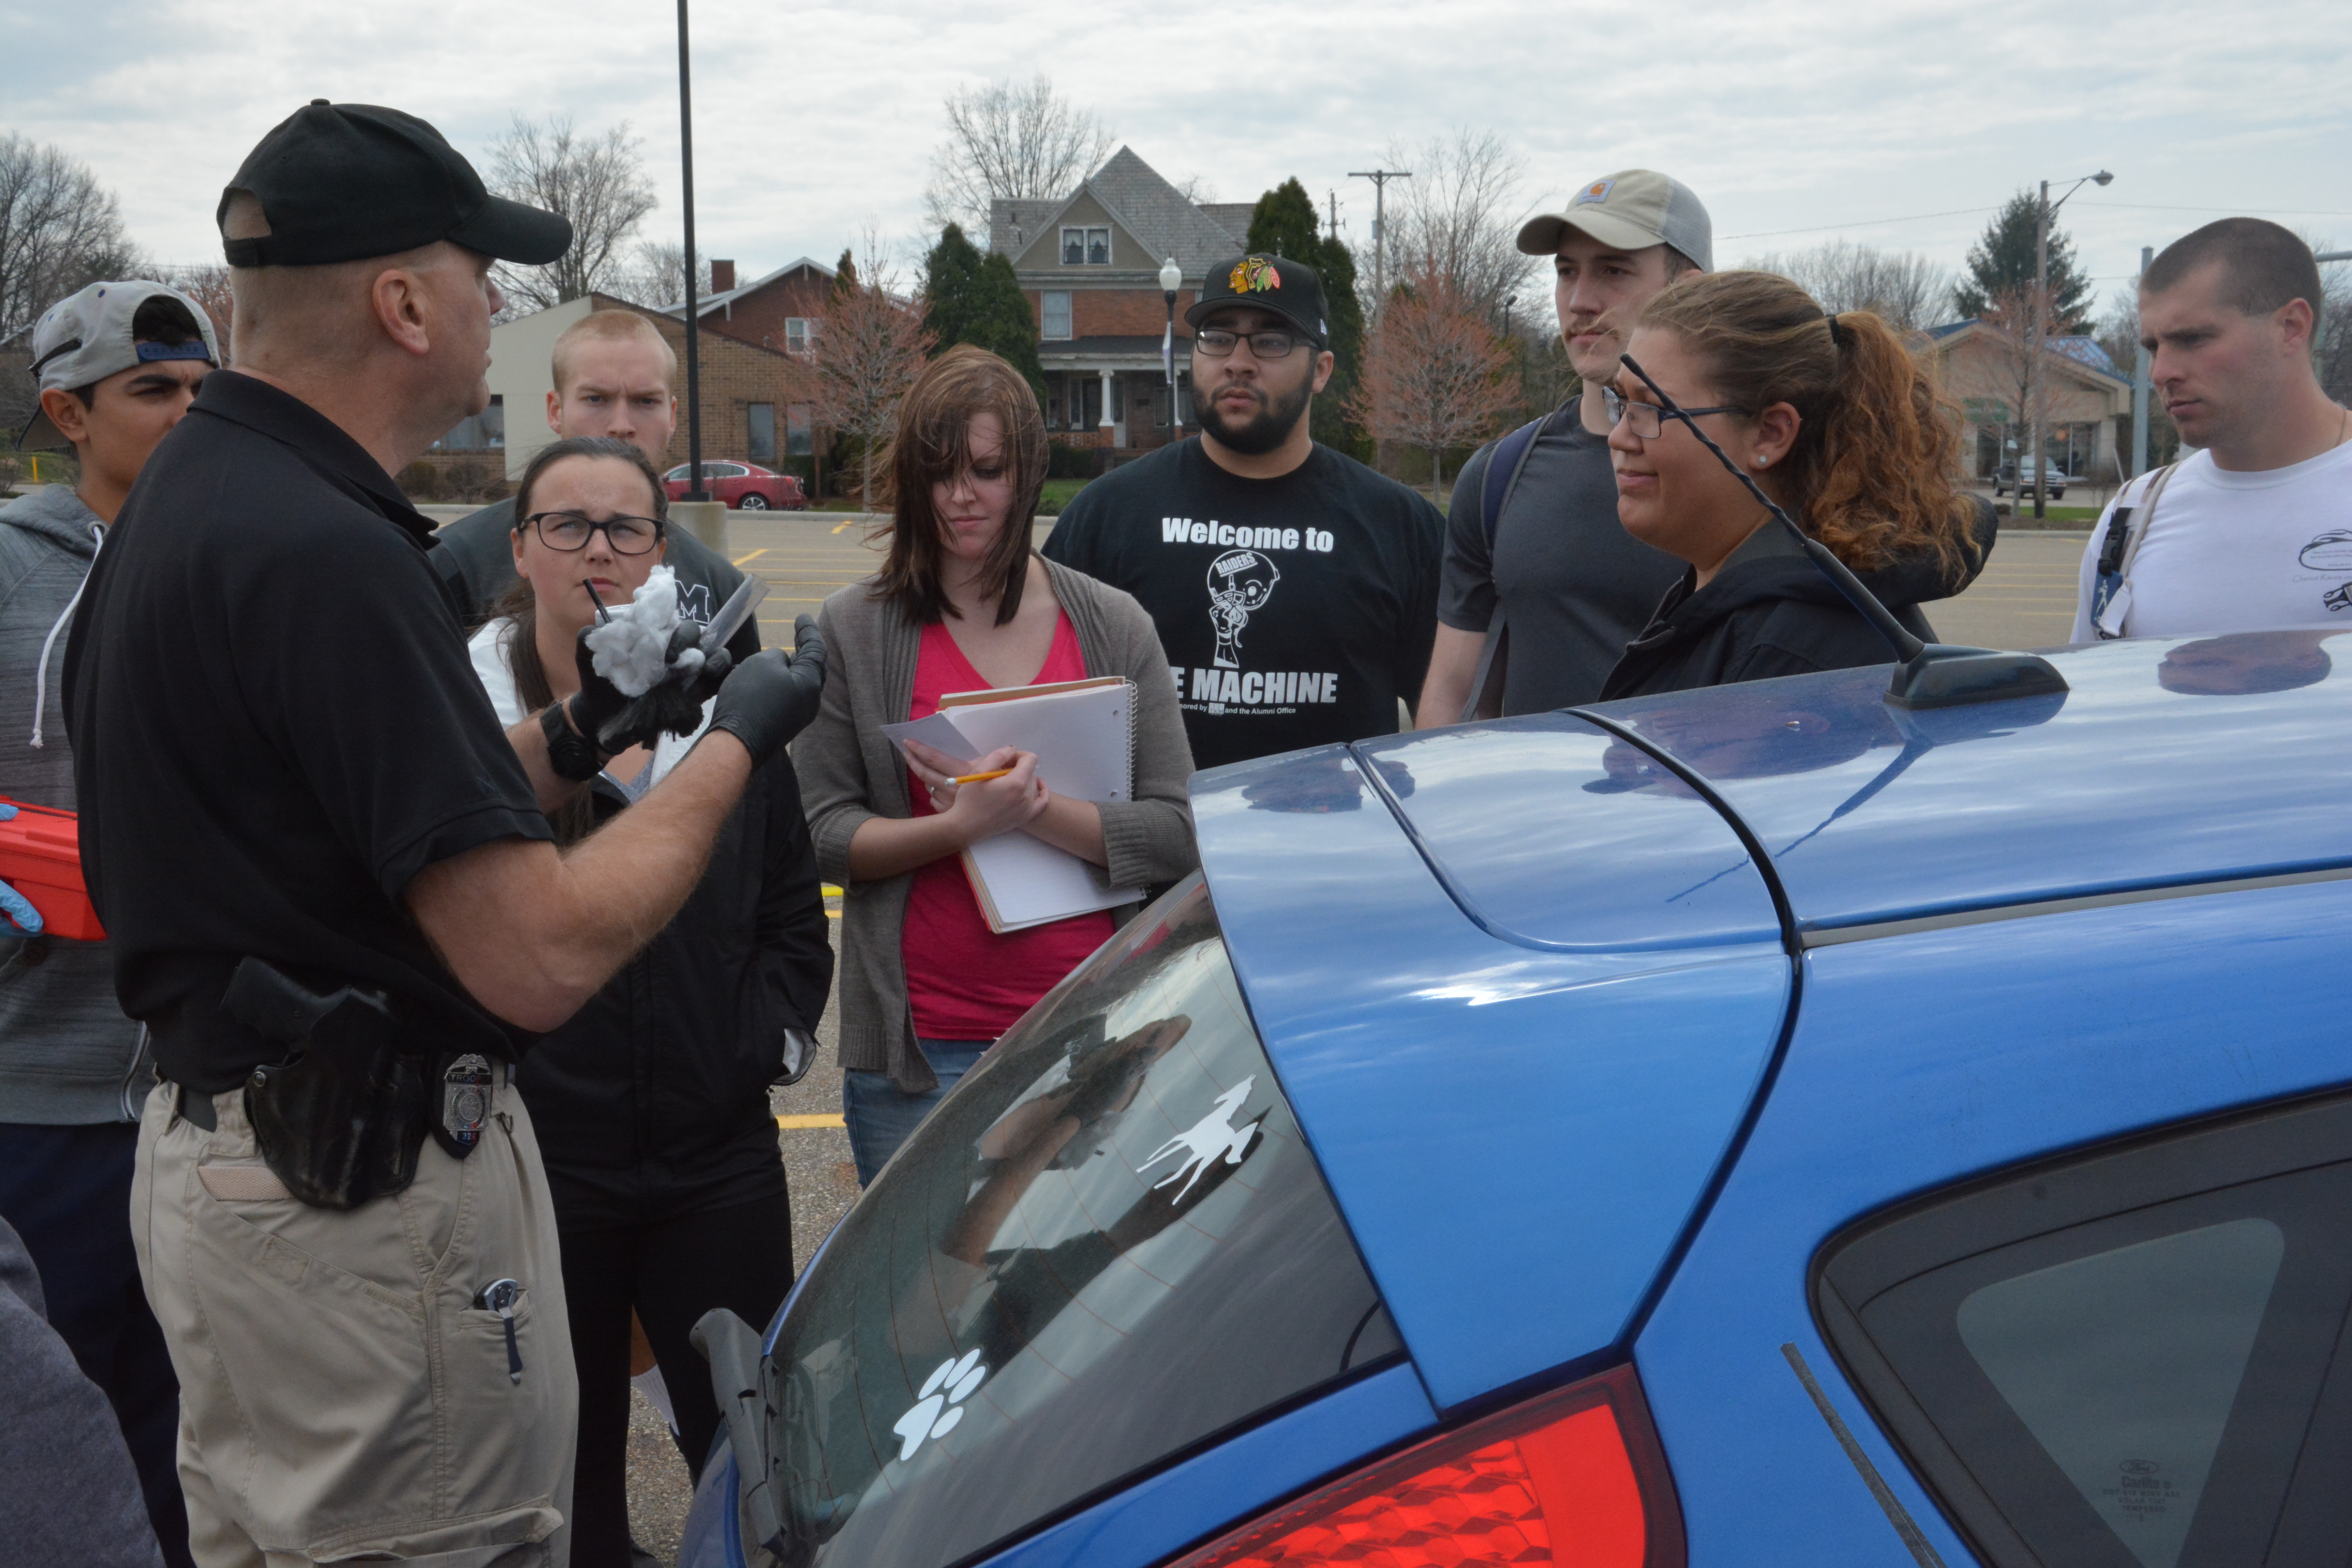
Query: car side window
[2138, 1356]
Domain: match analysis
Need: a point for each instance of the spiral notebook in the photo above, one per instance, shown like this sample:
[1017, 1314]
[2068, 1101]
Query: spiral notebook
[1082, 733]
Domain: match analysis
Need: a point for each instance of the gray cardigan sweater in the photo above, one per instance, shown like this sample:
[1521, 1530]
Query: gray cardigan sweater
[849, 773]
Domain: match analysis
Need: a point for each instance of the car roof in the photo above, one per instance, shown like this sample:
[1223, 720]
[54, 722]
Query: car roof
[2167, 763]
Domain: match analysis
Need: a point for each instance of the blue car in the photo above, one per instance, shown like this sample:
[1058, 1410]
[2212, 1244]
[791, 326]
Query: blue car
[1756, 1125]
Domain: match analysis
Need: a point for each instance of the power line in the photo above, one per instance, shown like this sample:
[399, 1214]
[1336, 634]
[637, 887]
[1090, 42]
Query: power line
[1863, 223]
[2153, 207]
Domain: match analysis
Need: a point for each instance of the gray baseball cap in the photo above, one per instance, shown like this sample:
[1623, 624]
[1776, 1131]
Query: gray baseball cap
[84, 338]
[1633, 209]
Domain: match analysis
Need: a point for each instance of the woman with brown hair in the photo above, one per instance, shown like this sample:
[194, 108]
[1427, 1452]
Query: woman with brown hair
[1833, 419]
[961, 604]
[651, 1102]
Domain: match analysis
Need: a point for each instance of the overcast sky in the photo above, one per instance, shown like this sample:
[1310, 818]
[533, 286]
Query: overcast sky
[812, 121]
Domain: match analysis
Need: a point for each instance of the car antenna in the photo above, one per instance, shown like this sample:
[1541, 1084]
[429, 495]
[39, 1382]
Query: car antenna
[1927, 674]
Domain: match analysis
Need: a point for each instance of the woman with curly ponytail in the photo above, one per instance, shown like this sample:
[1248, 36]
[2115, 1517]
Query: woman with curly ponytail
[1835, 420]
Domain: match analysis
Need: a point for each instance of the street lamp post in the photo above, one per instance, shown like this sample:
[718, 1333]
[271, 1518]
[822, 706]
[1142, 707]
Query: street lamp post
[1171, 278]
[2042, 216]
[694, 491]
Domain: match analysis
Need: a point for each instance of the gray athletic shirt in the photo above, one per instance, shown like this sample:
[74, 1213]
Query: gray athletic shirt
[1573, 585]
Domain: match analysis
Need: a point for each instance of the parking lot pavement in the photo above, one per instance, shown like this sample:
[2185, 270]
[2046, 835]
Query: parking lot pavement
[2025, 597]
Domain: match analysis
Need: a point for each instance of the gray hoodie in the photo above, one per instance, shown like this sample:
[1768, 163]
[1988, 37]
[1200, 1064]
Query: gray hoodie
[68, 1055]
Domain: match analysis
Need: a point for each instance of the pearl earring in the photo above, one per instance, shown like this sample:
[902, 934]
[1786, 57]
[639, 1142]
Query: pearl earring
[1763, 462]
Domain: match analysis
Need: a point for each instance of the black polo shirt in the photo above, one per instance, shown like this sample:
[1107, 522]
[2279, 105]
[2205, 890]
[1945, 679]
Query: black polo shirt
[274, 726]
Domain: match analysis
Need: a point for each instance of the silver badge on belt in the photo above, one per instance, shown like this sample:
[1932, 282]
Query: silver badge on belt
[466, 1102]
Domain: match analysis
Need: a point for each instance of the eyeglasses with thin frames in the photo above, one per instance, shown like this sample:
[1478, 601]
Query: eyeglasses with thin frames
[1649, 419]
[1272, 343]
[569, 531]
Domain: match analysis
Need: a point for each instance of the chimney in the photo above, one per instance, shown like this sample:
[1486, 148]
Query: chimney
[722, 276]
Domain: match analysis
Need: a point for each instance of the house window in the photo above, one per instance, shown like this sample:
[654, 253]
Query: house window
[800, 428]
[1098, 247]
[798, 329]
[1055, 311]
[1085, 247]
[759, 425]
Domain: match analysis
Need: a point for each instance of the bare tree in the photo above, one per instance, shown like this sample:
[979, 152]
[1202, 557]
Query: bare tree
[1909, 290]
[654, 275]
[1459, 215]
[1006, 141]
[60, 229]
[1435, 375]
[867, 346]
[207, 284]
[597, 182]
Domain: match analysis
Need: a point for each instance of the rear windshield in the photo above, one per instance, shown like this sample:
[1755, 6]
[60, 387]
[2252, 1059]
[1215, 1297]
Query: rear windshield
[1107, 1246]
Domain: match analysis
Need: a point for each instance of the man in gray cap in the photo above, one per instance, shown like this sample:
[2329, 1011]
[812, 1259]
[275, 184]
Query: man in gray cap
[1542, 588]
[332, 894]
[118, 364]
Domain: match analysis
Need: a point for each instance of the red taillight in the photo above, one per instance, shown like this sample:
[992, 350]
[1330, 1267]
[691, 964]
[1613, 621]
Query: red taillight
[1573, 1479]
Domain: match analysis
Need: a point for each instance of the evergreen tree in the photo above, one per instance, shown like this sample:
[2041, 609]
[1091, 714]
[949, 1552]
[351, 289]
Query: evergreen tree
[1285, 223]
[844, 275]
[971, 299]
[2000, 266]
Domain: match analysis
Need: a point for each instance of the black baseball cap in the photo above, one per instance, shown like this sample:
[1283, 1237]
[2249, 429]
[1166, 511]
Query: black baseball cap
[1274, 283]
[346, 182]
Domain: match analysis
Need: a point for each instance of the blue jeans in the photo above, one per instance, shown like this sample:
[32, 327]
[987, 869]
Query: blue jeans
[67, 1191]
[881, 1116]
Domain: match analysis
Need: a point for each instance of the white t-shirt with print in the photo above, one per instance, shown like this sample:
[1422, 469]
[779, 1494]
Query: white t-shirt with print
[2231, 551]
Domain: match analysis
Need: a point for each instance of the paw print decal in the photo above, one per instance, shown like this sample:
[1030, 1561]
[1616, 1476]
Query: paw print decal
[938, 1404]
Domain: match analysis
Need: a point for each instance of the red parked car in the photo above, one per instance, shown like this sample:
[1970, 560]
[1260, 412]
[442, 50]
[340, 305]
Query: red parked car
[745, 487]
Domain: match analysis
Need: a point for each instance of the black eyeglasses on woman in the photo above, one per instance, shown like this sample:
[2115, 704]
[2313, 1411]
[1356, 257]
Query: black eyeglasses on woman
[569, 531]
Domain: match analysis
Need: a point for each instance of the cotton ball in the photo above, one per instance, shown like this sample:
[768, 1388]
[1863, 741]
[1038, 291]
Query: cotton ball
[629, 648]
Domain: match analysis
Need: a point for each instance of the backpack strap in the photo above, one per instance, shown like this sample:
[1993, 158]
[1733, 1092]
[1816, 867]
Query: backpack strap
[1506, 461]
[2111, 585]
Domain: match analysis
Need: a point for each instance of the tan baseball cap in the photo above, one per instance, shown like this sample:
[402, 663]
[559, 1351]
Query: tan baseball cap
[1633, 209]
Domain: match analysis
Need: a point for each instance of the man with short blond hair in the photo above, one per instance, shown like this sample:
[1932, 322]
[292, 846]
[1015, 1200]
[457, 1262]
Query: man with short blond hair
[1540, 600]
[612, 372]
[2254, 530]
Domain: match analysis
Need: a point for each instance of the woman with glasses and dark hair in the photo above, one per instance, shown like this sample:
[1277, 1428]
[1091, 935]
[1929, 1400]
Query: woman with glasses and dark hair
[652, 1102]
[1837, 421]
[961, 604]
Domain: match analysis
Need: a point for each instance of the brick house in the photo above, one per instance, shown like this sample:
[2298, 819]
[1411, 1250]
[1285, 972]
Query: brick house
[1089, 264]
[774, 312]
[1982, 367]
[747, 410]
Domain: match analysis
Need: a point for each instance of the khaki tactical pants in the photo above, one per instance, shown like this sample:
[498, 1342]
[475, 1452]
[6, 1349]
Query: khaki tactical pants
[341, 1398]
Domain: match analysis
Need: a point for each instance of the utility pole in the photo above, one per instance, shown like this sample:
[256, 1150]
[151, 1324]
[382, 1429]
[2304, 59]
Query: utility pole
[2041, 331]
[694, 491]
[1335, 214]
[1380, 179]
[2140, 384]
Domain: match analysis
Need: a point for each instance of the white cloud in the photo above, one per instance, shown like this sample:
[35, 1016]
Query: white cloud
[814, 118]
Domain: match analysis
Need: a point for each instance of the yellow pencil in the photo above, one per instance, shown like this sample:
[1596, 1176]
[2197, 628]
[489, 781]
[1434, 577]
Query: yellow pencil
[980, 778]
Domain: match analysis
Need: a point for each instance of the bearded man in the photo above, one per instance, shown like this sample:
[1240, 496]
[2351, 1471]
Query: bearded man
[1295, 589]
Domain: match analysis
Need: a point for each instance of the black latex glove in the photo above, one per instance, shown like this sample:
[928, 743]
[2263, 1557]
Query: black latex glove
[615, 721]
[769, 698]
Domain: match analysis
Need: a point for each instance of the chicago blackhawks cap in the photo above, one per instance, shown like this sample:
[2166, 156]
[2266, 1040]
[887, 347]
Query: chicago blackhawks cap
[1633, 209]
[86, 337]
[1272, 283]
[346, 182]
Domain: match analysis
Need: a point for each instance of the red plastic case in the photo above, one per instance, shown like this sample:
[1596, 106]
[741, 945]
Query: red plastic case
[40, 856]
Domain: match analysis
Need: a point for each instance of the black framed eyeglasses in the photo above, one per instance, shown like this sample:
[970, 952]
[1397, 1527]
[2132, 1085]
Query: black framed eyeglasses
[1649, 419]
[569, 531]
[1272, 343]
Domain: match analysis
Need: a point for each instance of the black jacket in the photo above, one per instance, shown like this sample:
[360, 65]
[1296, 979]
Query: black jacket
[653, 1099]
[1771, 611]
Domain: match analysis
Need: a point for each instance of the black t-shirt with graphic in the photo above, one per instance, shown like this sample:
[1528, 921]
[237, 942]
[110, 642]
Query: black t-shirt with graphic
[1294, 611]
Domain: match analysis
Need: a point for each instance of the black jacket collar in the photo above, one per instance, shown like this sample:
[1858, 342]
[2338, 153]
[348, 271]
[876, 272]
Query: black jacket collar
[325, 445]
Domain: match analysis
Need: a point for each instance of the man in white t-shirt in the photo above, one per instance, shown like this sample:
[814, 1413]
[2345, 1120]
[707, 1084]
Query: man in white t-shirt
[2254, 530]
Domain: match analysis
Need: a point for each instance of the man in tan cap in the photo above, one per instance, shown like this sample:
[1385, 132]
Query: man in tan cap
[1539, 599]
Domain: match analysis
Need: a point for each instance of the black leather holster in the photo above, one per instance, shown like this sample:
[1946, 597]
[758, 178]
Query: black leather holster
[343, 1119]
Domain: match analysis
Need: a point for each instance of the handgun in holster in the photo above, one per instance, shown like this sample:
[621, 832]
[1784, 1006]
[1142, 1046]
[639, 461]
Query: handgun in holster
[342, 1118]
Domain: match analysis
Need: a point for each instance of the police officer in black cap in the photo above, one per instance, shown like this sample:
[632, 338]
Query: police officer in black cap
[332, 892]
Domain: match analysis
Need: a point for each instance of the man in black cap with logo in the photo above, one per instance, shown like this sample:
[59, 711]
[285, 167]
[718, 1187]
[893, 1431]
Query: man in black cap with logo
[1295, 589]
[332, 893]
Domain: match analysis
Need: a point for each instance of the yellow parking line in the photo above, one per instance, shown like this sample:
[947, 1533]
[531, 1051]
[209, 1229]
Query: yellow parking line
[839, 526]
[804, 1123]
[747, 560]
